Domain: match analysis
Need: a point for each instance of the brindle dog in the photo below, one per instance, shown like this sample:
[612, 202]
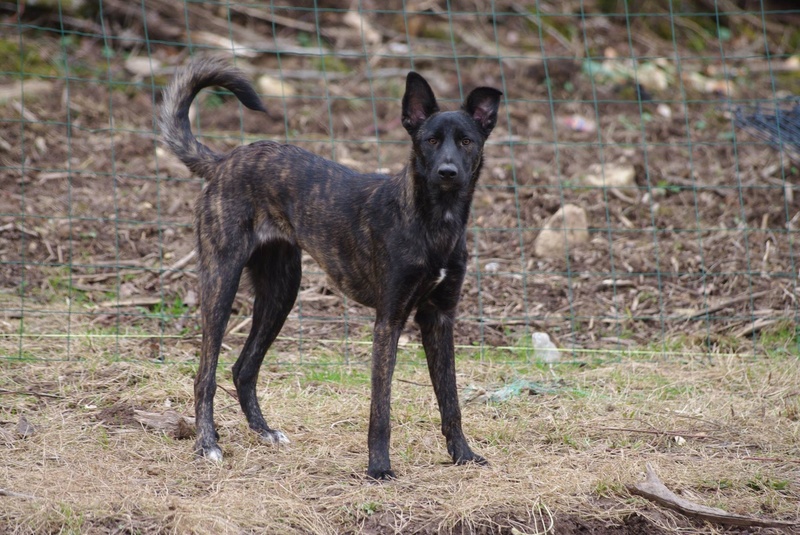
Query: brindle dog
[394, 243]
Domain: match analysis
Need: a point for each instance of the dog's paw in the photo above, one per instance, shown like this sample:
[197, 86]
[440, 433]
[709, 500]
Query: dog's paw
[211, 453]
[273, 436]
[472, 458]
[381, 474]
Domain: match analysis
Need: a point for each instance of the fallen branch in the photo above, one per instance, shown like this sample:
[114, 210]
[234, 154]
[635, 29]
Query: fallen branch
[725, 304]
[179, 265]
[758, 325]
[653, 489]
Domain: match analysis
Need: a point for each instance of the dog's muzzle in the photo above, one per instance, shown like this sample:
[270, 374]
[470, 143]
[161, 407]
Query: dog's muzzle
[448, 177]
[448, 172]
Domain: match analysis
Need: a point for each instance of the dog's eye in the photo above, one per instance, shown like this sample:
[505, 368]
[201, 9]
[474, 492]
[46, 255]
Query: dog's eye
[466, 141]
[433, 141]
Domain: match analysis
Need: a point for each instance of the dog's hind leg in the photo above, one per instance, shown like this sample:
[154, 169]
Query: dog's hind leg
[275, 272]
[219, 275]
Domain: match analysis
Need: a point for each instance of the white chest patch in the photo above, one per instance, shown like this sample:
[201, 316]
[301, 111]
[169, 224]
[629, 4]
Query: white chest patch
[442, 275]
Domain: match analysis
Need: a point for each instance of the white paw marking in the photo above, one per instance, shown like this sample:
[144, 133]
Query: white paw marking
[213, 454]
[281, 438]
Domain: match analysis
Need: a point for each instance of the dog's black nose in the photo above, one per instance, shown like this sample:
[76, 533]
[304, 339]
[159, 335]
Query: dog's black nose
[447, 171]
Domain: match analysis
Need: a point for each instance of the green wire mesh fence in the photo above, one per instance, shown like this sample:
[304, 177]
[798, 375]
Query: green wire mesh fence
[632, 198]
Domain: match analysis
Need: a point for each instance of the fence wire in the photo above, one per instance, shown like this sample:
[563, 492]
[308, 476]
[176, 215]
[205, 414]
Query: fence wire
[638, 194]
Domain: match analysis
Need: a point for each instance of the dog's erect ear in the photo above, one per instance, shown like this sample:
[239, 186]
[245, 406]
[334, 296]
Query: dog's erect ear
[419, 103]
[482, 104]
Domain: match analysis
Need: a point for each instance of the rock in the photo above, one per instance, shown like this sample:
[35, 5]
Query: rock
[24, 428]
[653, 76]
[610, 176]
[664, 111]
[274, 87]
[142, 66]
[491, 267]
[567, 229]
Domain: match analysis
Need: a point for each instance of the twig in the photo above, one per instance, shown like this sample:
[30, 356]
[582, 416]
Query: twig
[26, 114]
[757, 326]
[549, 30]
[12, 494]
[655, 432]
[24, 393]
[410, 382]
[135, 302]
[272, 18]
[180, 264]
[771, 460]
[234, 395]
[722, 191]
[725, 304]
[241, 325]
[653, 489]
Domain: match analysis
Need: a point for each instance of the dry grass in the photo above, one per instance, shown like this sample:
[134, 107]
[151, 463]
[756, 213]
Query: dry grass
[90, 469]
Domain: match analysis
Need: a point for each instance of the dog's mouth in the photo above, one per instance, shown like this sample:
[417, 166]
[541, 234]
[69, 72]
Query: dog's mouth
[448, 185]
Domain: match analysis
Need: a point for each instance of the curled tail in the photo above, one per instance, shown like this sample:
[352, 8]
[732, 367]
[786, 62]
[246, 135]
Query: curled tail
[173, 116]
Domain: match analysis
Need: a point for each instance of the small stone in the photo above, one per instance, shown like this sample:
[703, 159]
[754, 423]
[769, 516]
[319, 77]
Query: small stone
[610, 176]
[24, 428]
[142, 66]
[274, 87]
[566, 230]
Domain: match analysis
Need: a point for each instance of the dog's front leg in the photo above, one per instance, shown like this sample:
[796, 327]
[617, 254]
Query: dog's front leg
[436, 327]
[384, 354]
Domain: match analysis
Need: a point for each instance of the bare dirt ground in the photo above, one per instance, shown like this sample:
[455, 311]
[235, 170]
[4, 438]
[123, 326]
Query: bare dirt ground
[694, 263]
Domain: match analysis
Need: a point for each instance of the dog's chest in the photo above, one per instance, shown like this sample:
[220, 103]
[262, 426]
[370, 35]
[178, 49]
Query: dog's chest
[440, 278]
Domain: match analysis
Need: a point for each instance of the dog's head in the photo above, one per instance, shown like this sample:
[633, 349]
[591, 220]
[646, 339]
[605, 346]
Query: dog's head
[448, 146]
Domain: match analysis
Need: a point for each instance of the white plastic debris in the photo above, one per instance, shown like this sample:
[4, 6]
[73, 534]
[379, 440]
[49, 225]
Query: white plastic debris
[544, 349]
